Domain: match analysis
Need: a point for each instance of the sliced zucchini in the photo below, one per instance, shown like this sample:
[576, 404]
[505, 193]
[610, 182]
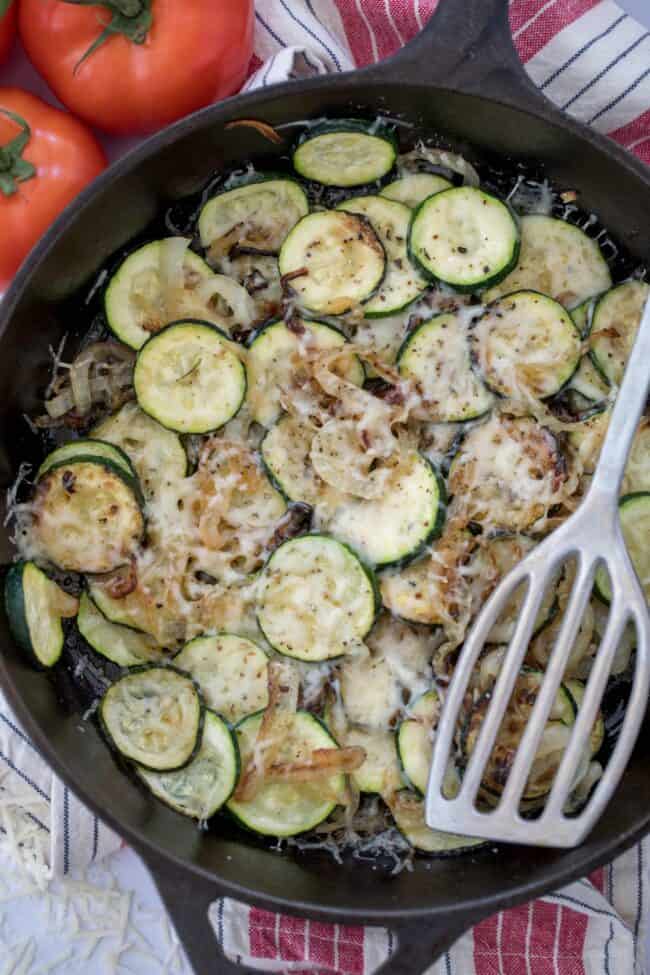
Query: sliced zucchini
[465, 238]
[189, 377]
[333, 260]
[576, 689]
[414, 739]
[154, 285]
[286, 808]
[634, 512]
[286, 455]
[494, 560]
[274, 362]
[428, 591]
[201, 788]
[627, 643]
[586, 437]
[402, 283]
[555, 737]
[260, 275]
[230, 671]
[128, 611]
[370, 692]
[408, 813]
[588, 381]
[156, 453]
[637, 469]
[413, 188]
[436, 358]
[86, 447]
[507, 473]
[582, 315]
[380, 773]
[122, 645]
[345, 152]
[88, 515]
[557, 259]
[35, 606]
[616, 319]
[154, 717]
[526, 343]
[256, 216]
[316, 599]
[396, 527]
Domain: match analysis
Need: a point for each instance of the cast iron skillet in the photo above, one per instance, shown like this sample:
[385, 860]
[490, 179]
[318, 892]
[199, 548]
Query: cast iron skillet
[460, 79]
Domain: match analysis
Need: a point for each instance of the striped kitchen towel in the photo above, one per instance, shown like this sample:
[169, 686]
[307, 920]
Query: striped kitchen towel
[43, 826]
[586, 55]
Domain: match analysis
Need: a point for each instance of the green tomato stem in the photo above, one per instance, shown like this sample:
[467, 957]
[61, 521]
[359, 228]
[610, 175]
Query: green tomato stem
[13, 168]
[130, 18]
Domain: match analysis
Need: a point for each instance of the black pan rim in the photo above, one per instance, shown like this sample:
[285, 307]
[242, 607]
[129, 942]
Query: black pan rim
[555, 874]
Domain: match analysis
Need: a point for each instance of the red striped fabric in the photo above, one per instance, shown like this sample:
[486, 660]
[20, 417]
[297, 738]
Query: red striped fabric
[534, 23]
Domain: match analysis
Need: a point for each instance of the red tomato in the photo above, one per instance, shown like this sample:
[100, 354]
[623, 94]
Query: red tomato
[7, 28]
[160, 60]
[46, 158]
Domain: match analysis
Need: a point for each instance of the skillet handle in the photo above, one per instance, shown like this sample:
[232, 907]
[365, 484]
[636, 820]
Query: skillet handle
[467, 46]
[187, 897]
[421, 943]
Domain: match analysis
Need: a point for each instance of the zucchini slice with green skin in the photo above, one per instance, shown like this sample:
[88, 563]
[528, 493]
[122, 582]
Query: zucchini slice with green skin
[333, 261]
[284, 808]
[614, 326]
[134, 301]
[89, 515]
[256, 216]
[589, 382]
[154, 717]
[156, 453]
[393, 529]
[407, 809]
[581, 316]
[274, 360]
[380, 772]
[413, 188]
[127, 611]
[555, 737]
[517, 451]
[189, 377]
[286, 455]
[637, 469]
[587, 436]
[86, 447]
[119, 644]
[370, 692]
[345, 153]
[634, 512]
[414, 739]
[559, 260]
[496, 558]
[526, 344]
[465, 238]
[402, 283]
[436, 358]
[231, 672]
[35, 606]
[201, 788]
[316, 599]
[576, 689]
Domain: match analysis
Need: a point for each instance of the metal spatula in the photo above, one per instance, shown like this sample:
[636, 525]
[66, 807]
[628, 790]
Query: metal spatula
[593, 538]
